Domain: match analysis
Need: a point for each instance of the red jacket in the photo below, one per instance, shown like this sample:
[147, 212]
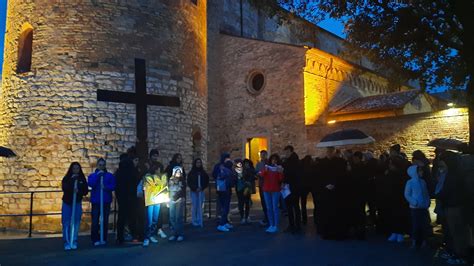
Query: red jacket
[271, 180]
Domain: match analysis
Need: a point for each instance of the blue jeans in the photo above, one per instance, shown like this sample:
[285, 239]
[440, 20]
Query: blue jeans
[152, 215]
[271, 200]
[95, 234]
[66, 215]
[177, 217]
[224, 201]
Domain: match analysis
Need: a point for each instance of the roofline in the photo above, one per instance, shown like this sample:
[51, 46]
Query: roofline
[375, 109]
[315, 25]
[360, 67]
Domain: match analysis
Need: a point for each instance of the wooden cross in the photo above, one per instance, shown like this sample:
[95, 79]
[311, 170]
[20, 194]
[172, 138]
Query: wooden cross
[141, 100]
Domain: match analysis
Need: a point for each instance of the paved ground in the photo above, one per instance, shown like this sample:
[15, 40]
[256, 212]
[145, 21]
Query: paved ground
[246, 245]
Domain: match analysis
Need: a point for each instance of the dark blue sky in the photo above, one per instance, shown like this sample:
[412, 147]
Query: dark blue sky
[3, 15]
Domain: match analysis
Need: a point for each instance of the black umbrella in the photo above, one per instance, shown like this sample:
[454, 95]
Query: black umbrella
[6, 152]
[345, 137]
[448, 144]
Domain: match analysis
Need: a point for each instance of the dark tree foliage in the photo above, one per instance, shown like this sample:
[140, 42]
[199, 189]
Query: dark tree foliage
[431, 41]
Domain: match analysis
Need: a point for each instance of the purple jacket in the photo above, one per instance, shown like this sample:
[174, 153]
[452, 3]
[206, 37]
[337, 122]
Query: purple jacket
[94, 183]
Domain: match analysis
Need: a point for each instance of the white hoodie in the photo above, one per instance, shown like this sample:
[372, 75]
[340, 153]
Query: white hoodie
[416, 192]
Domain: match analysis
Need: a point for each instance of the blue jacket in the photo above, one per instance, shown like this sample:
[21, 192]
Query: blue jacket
[109, 185]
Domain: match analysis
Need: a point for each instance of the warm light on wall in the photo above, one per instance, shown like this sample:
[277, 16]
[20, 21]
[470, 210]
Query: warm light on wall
[450, 104]
[323, 78]
[332, 122]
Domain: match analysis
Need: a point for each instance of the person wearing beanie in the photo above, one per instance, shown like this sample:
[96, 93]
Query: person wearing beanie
[177, 190]
[417, 196]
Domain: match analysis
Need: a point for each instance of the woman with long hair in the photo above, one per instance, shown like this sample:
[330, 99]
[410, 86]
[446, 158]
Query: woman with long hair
[74, 186]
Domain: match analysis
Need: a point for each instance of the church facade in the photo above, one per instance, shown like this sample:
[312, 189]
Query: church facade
[89, 80]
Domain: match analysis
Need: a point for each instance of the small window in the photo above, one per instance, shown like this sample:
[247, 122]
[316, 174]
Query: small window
[256, 82]
[194, 2]
[25, 49]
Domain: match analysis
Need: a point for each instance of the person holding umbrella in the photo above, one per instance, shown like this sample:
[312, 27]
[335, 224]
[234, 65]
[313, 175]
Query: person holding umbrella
[74, 186]
[102, 184]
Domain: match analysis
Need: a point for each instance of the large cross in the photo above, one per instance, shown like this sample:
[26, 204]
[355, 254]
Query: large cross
[141, 100]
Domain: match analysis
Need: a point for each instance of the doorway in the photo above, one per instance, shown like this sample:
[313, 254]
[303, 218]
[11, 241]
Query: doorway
[253, 146]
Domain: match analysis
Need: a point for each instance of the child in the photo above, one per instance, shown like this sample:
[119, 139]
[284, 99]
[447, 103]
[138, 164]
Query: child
[100, 180]
[73, 182]
[177, 189]
[416, 193]
[155, 192]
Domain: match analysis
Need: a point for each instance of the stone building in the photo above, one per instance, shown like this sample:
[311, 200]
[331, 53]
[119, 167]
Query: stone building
[89, 79]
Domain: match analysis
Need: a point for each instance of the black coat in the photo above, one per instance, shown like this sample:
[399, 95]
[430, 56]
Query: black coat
[193, 178]
[67, 185]
[292, 173]
[126, 178]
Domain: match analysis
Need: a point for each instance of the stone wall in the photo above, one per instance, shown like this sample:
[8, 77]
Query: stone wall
[412, 132]
[51, 116]
[276, 112]
[279, 113]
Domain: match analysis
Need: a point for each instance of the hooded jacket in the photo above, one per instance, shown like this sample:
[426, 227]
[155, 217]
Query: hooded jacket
[94, 183]
[416, 191]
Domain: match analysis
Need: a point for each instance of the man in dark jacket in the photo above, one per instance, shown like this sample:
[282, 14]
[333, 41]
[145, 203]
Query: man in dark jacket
[126, 193]
[292, 173]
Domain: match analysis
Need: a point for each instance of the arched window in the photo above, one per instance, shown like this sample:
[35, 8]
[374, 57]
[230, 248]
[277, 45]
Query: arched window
[25, 49]
[197, 142]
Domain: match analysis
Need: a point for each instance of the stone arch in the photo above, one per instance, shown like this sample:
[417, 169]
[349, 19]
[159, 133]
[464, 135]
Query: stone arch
[25, 49]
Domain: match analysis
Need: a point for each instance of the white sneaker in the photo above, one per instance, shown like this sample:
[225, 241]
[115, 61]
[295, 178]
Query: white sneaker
[97, 243]
[74, 246]
[146, 242]
[180, 238]
[153, 239]
[269, 229]
[162, 234]
[392, 238]
[222, 228]
[172, 238]
[273, 229]
[67, 247]
[400, 238]
[103, 243]
[229, 226]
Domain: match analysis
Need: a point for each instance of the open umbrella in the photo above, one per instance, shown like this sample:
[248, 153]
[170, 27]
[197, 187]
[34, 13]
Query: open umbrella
[448, 144]
[6, 152]
[345, 137]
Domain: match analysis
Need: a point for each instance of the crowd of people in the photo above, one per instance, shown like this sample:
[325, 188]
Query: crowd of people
[351, 192]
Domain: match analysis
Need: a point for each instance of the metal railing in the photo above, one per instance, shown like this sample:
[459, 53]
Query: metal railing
[31, 213]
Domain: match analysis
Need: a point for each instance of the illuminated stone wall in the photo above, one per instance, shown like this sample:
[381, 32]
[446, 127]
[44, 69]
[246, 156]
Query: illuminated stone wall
[50, 115]
[412, 132]
[302, 84]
